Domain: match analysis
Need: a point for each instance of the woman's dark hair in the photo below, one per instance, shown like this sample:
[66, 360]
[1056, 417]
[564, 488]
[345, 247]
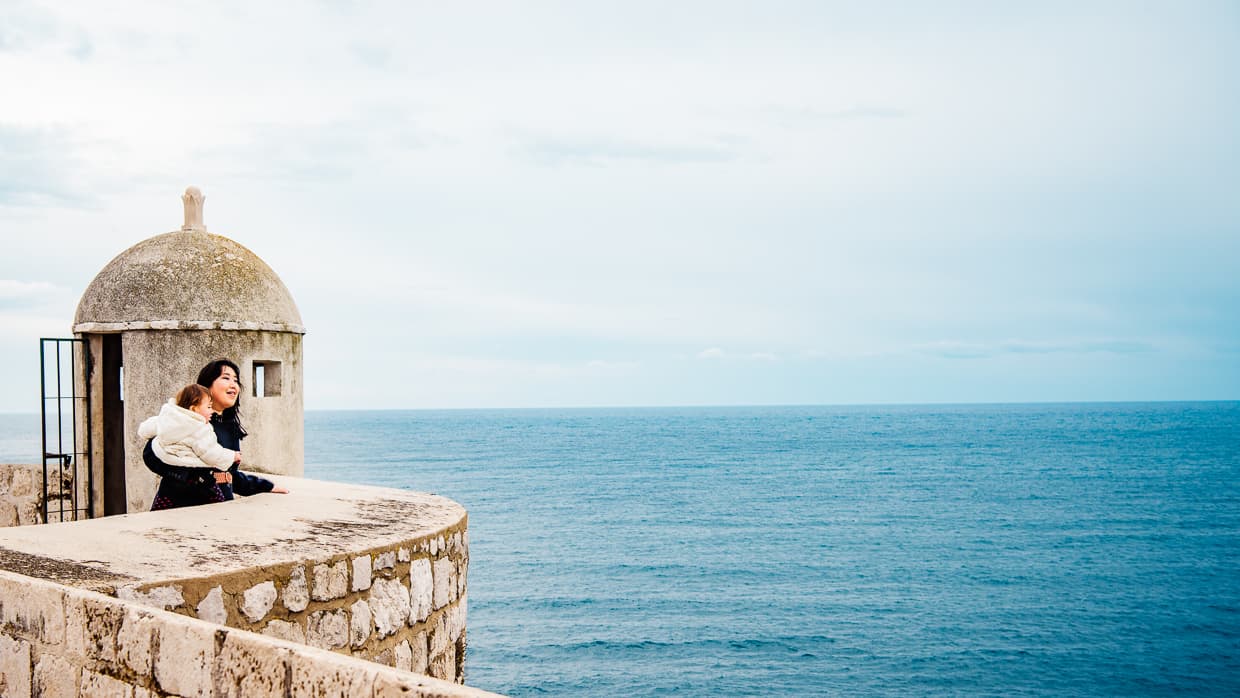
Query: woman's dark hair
[207, 376]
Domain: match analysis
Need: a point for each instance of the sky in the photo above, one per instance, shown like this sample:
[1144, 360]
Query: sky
[557, 204]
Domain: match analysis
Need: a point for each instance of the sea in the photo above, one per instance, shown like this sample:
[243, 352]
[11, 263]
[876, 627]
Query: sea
[1086, 549]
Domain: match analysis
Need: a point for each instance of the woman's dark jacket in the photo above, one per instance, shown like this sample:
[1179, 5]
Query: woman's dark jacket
[186, 487]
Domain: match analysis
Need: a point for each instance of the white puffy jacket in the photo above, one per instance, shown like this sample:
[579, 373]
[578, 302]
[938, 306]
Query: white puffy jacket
[184, 438]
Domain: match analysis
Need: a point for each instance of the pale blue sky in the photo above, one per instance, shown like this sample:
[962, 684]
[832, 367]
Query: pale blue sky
[572, 204]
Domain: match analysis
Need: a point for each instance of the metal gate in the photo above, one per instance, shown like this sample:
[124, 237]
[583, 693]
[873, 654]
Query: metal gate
[67, 476]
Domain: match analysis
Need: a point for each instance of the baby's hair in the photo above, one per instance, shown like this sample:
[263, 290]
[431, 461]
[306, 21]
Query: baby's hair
[191, 395]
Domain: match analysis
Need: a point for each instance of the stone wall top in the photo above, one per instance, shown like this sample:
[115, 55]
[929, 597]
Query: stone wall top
[317, 521]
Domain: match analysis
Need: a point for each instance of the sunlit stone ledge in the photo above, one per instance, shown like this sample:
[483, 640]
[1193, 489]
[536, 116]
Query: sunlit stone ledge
[372, 573]
[129, 326]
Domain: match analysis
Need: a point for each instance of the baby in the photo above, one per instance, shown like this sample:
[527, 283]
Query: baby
[182, 435]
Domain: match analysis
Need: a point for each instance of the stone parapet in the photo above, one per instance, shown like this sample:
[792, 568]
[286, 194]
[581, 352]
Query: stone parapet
[372, 573]
[21, 495]
[62, 641]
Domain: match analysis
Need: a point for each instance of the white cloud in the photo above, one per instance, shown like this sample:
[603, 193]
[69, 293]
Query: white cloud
[564, 184]
[34, 297]
[953, 349]
[11, 288]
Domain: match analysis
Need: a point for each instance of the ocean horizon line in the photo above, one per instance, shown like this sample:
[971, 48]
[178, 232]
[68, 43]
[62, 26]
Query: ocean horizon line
[755, 405]
[776, 405]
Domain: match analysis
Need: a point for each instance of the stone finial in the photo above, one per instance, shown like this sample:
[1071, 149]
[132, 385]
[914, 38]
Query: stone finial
[193, 199]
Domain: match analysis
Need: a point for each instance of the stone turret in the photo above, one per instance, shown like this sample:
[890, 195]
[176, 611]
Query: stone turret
[155, 315]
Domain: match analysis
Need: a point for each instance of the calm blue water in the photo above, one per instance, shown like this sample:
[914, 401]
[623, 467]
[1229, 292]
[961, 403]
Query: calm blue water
[1084, 549]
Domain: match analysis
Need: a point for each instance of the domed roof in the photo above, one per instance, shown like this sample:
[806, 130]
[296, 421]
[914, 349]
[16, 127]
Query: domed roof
[191, 280]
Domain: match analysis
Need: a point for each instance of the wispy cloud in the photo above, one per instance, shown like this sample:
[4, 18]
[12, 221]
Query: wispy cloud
[372, 55]
[40, 167]
[804, 116]
[24, 294]
[34, 308]
[25, 27]
[716, 353]
[952, 349]
[332, 151]
[604, 151]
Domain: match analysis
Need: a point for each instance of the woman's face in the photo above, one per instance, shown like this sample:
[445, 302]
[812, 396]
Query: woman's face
[224, 390]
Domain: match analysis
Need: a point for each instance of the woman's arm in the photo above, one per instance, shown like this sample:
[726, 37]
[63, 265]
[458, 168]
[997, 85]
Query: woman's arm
[187, 476]
[245, 484]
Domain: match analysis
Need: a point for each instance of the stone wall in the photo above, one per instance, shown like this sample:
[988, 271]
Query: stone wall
[21, 495]
[62, 641]
[402, 606]
[369, 573]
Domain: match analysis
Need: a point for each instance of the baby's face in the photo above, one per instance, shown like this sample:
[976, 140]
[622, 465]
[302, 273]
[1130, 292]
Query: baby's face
[203, 408]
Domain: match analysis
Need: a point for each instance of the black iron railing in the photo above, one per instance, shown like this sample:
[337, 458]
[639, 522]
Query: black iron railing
[67, 476]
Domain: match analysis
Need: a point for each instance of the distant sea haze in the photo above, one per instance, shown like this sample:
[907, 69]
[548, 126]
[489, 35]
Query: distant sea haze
[1050, 549]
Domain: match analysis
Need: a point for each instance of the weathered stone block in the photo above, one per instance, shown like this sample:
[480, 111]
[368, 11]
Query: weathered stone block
[22, 483]
[421, 652]
[258, 600]
[133, 642]
[8, 513]
[454, 622]
[92, 627]
[165, 597]
[443, 665]
[389, 685]
[385, 561]
[100, 686]
[55, 678]
[439, 638]
[360, 624]
[422, 587]
[402, 554]
[327, 629]
[244, 668]
[39, 616]
[404, 656]
[15, 670]
[296, 592]
[184, 654]
[462, 570]
[285, 631]
[389, 602]
[444, 581]
[321, 678]
[29, 512]
[330, 581]
[387, 658]
[211, 608]
[361, 573]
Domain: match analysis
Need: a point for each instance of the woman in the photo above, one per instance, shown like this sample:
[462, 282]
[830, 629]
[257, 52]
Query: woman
[186, 487]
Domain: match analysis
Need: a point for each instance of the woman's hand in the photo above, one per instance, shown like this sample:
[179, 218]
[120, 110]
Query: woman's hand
[278, 490]
[237, 459]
